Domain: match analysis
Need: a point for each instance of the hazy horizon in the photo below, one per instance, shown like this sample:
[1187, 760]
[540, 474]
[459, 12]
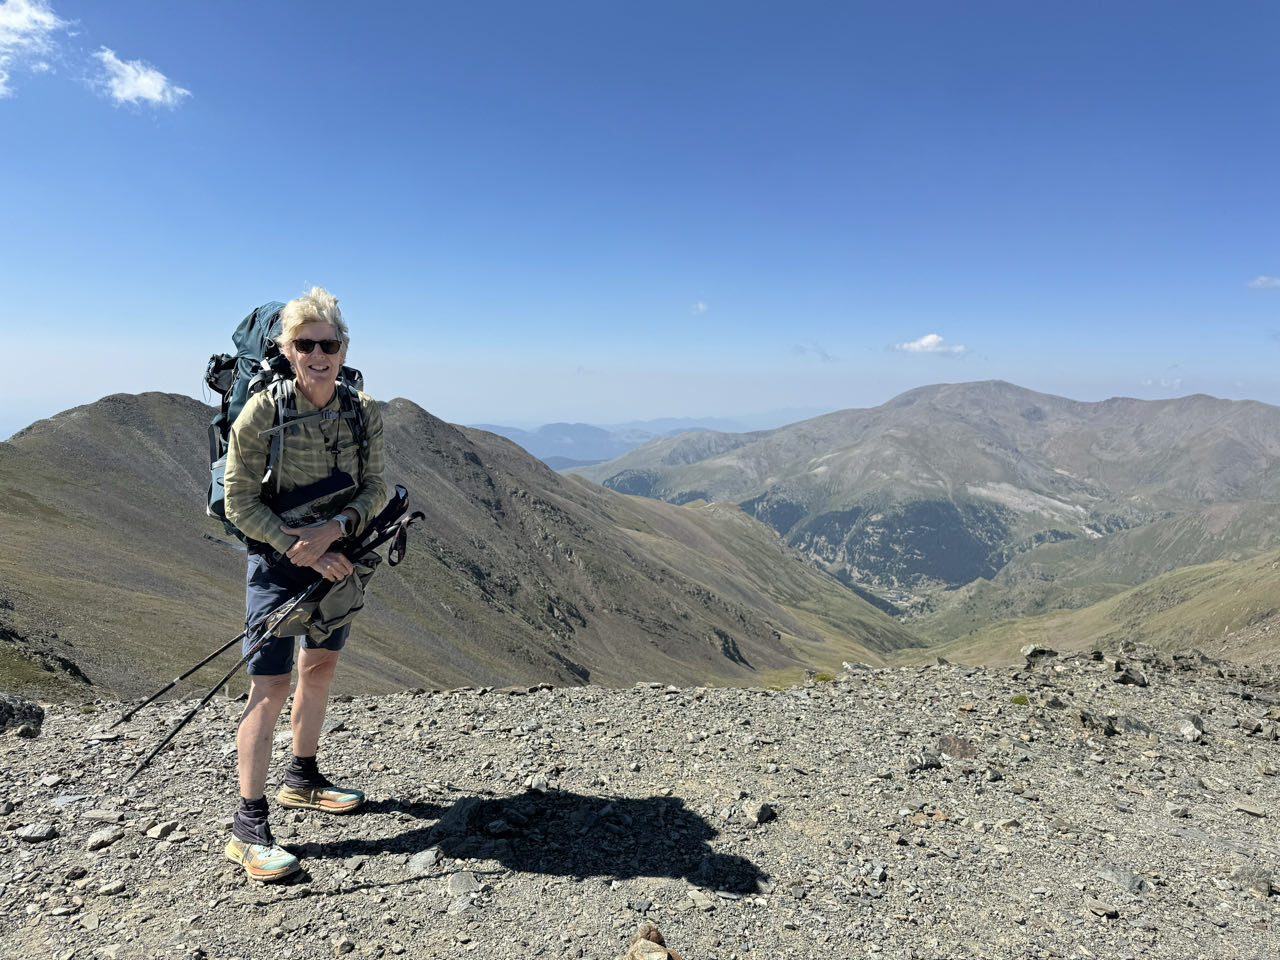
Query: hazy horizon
[753, 420]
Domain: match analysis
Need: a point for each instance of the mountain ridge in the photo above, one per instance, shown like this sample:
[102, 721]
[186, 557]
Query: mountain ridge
[949, 484]
[519, 574]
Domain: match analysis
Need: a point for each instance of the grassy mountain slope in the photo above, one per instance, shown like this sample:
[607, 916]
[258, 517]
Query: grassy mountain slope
[951, 484]
[1076, 573]
[518, 574]
[1227, 608]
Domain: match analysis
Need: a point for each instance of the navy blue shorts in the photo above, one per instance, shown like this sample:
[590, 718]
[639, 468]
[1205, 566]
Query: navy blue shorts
[266, 586]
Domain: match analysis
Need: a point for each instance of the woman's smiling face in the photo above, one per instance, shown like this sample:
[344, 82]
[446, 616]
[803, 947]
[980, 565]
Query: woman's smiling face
[317, 371]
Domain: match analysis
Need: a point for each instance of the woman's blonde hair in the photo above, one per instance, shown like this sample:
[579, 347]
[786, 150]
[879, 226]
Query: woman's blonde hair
[318, 305]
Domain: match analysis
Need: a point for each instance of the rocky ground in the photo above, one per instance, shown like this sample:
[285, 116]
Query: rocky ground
[1085, 806]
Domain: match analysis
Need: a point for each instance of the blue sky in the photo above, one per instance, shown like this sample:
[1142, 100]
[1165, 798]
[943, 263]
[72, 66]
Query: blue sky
[607, 211]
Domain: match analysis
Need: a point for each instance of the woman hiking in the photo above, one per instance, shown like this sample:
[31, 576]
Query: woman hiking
[324, 487]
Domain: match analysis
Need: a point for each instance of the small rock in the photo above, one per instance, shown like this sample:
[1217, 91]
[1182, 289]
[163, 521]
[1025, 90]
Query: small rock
[90, 921]
[421, 864]
[1175, 809]
[1191, 728]
[1131, 676]
[104, 838]
[52, 780]
[1034, 654]
[111, 889]
[342, 945]
[162, 830]
[463, 884]
[758, 811]
[918, 762]
[460, 905]
[37, 832]
[643, 949]
[1124, 877]
[1254, 878]
[1101, 908]
[957, 748]
[701, 899]
[1252, 809]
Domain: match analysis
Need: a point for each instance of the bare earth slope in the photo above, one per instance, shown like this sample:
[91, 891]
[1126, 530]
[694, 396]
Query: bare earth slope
[947, 811]
[518, 574]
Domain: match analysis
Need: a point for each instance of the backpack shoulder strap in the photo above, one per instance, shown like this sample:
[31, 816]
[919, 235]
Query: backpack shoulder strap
[353, 412]
[282, 391]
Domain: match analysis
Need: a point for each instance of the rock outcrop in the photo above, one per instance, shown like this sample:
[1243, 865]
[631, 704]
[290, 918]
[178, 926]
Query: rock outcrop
[21, 716]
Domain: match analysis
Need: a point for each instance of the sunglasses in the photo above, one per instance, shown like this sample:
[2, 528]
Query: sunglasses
[328, 346]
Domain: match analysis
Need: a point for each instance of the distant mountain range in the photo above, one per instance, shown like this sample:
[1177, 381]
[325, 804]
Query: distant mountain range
[951, 514]
[519, 575]
[562, 445]
[1028, 501]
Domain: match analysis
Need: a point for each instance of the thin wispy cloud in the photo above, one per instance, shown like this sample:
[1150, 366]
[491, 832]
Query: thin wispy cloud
[1264, 283]
[815, 350]
[930, 343]
[27, 29]
[1164, 383]
[133, 81]
[698, 309]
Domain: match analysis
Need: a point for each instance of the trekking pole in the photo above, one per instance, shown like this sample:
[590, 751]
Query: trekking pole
[211, 657]
[174, 682]
[275, 617]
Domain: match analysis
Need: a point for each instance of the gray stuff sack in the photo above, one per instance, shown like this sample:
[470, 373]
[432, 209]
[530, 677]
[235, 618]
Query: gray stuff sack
[318, 618]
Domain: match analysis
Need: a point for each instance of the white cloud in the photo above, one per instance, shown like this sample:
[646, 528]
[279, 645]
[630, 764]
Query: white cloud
[699, 309]
[129, 81]
[26, 34]
[1264, 282]
[930, 343]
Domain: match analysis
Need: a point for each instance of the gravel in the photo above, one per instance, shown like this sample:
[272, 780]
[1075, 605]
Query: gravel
[902, 813]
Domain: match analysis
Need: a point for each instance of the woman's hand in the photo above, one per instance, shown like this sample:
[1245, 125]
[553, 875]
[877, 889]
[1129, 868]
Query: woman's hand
[313, 543]
[333, 566]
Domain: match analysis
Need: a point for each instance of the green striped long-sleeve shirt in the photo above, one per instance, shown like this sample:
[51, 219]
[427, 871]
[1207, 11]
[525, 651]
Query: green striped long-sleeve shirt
[308, 456]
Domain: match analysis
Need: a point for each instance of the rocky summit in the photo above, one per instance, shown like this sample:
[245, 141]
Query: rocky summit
[1079, 806]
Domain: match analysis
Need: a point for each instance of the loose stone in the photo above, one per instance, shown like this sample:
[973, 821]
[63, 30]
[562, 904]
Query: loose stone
[104, 838]
[37, 832]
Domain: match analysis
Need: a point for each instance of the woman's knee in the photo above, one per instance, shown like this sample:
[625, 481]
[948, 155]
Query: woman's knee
[316, 665]
[273, 687]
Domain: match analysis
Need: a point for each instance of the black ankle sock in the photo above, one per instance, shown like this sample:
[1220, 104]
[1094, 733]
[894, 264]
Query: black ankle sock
[302, 772]
[250, 822]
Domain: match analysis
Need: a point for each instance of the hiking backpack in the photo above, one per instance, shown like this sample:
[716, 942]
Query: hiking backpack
[259, 365]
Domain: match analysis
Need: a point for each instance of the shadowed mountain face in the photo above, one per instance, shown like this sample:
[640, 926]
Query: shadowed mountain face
[517, 576]
[949, 484]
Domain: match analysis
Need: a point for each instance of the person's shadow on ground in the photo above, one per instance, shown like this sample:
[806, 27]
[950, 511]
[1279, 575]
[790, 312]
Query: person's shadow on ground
[565, 834]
